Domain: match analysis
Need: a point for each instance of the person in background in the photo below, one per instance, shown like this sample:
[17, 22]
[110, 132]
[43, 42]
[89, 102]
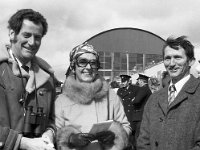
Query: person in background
[26, 102]
[154, 84]
[127, 92]
[139, 102]
[171, 118]
[86, 99]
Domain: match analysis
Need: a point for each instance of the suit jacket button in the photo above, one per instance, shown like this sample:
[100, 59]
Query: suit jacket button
[156, 143]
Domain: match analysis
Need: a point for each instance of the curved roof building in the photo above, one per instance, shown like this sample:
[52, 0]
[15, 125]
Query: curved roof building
[127, 50]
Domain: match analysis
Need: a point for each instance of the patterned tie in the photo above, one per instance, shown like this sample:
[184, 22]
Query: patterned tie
[171, 95]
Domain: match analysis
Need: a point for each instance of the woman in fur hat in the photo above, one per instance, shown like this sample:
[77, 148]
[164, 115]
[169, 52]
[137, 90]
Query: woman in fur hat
[86, 100]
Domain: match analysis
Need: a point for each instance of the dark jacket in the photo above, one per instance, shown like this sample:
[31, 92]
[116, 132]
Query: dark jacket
[175, 126]
[140, 100]
[11, 110]
[128, 95]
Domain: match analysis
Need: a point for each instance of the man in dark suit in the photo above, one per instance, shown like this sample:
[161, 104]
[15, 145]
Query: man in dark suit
[138, 103]
[171, 118]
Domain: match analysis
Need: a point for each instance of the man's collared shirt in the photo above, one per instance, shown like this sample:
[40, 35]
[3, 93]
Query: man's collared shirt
[179, 84]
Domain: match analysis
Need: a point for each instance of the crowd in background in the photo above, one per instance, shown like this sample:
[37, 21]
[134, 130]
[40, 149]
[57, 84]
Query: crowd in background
[154, 83]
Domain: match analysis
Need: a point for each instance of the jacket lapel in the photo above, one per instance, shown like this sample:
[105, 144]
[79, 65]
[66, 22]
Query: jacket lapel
[163, 100]
[41, 68]
[40, 78]
[189, 88]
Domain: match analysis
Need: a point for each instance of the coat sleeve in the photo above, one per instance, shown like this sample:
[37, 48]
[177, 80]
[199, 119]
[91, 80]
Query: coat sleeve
[121, 126]
[58, 115]
[143, 141]
[141, 95]
[63, 130]
[9, 139]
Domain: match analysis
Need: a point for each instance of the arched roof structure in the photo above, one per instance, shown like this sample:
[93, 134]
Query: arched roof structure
[131, 40]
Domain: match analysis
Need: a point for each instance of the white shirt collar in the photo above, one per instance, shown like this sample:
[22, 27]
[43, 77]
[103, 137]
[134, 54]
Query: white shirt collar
[180, 84]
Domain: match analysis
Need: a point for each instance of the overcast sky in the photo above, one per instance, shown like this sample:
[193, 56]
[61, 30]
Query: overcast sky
[72, 22]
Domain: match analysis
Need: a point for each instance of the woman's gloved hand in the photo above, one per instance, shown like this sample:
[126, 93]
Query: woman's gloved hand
[105, 137]
[80, 139]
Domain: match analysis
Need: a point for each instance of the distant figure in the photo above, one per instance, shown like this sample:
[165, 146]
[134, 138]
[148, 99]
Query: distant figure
[154, 84]
[171, 118]
[139, 102]
[127, 92]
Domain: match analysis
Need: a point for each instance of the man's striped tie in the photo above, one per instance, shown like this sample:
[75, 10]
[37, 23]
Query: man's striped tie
[171, 95]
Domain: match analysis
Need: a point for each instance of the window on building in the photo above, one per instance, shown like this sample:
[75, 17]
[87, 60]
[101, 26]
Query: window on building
[107, 73]
[123, 61]
[132, 61]
[139, 59]
[117, 62]
[152, 59]
[105, 60]
[108, 61]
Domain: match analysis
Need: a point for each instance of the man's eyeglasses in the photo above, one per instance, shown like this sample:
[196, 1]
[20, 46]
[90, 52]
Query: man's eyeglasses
[94, 64]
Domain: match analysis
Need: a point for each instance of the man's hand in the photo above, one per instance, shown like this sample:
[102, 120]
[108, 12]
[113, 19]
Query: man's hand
[47, 140]
[34, 144]
[48, 137]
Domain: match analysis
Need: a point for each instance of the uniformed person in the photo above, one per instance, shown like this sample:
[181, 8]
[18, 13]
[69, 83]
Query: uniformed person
[138, 104]
[127, 93]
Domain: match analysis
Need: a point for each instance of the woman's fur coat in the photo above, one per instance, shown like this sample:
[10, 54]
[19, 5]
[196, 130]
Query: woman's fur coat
[84, 94]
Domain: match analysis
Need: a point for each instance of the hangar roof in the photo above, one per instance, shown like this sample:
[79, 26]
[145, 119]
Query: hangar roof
[131, 40]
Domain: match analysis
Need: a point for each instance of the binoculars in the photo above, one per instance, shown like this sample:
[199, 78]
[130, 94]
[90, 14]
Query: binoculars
[34, 122]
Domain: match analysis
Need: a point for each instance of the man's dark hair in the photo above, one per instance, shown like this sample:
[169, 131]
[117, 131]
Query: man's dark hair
[178, 43]
[16, 20]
